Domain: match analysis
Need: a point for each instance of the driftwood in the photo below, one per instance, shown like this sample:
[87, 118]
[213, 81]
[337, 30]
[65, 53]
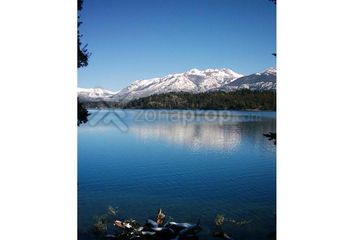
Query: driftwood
[156, 230]
[130, 229]
[160, 217]
[219, 226]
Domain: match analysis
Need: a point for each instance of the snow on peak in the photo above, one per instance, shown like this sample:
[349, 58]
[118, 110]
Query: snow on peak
[193, 71]
[270, 70]
[97, 90]
[265, 80]
[94, 93]
[193, 80]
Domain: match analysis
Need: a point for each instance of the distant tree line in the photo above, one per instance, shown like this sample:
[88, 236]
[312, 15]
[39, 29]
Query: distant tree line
[237, 100]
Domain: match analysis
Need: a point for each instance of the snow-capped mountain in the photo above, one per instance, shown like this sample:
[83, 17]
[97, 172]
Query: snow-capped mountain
[265, 80]
[87, 94]
[194, 81]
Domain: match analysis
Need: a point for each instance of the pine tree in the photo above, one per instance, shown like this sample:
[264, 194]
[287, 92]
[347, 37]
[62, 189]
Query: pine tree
[82, 61]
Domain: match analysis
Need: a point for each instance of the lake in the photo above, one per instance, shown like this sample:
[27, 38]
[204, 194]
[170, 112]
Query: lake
[192, 164]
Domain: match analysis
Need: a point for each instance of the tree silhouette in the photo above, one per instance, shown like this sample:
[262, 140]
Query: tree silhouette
[82, 113]
[82, 61]
[272, 136]
[82, 52]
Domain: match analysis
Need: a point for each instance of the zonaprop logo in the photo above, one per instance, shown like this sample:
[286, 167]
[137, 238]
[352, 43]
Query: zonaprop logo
[108, 115]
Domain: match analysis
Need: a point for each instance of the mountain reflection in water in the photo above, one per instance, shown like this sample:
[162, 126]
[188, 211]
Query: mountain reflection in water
[195, 136]
[194, 167]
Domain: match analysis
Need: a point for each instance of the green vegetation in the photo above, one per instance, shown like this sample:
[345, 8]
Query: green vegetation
[82, 61]
[238, 100]
[82, 114]
[82, 52]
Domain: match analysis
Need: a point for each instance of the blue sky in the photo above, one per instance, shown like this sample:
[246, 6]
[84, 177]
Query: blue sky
[139, 39]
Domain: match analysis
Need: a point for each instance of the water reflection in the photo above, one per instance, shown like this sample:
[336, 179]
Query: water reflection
[195, 136]
[218, 132]
[220, 166]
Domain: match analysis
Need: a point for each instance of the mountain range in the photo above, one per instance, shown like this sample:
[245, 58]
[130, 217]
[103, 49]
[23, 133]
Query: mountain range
[192, 81]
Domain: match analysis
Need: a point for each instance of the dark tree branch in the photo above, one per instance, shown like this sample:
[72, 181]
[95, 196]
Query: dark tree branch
[82, 53]
[82, 61]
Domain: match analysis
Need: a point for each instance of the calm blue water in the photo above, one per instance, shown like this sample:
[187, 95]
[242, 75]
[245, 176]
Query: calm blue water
[192, 165]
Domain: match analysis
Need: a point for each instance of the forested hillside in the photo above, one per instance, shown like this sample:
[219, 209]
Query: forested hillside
[237, 100]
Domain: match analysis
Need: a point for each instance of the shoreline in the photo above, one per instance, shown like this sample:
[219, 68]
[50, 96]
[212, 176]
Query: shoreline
[177, 109]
